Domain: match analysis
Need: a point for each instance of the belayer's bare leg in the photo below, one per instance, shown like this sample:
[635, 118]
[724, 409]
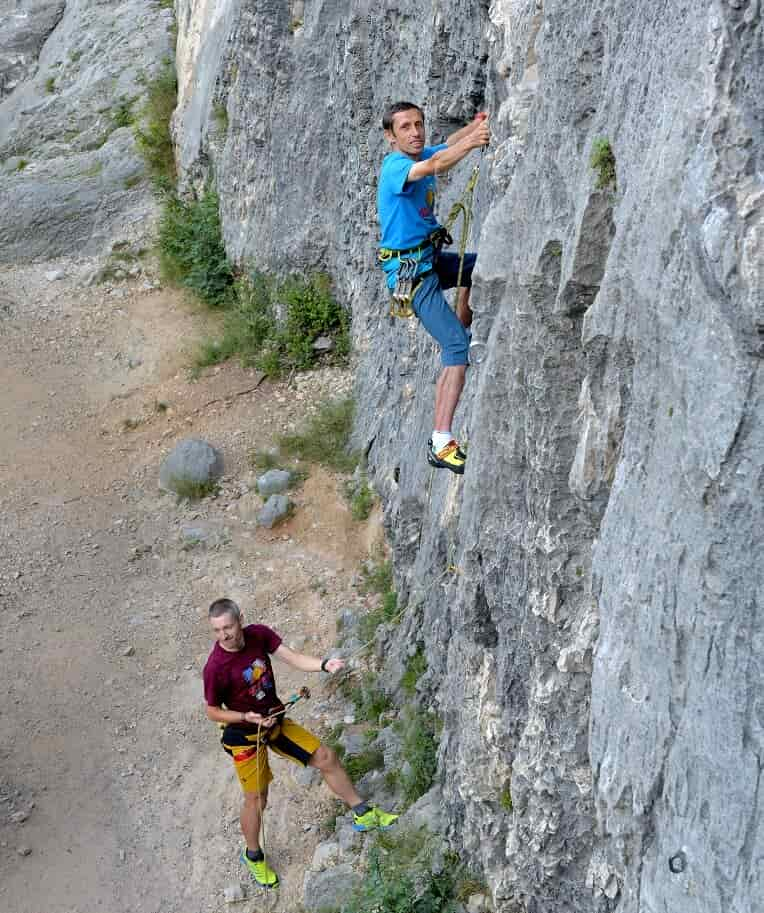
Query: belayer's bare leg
[326, 760]
[251, 817]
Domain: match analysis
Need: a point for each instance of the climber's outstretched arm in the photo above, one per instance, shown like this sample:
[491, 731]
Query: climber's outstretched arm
[445, 159]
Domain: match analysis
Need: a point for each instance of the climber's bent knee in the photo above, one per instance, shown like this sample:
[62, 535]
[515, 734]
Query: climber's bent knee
[441, 322]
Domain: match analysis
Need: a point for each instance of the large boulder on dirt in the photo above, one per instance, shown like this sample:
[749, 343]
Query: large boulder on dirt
[192, 461]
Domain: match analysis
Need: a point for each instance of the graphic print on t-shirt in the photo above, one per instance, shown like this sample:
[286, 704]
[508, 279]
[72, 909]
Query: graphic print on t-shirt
[258, 678]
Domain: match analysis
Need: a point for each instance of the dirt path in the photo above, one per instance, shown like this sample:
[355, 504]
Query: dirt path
[109, 772]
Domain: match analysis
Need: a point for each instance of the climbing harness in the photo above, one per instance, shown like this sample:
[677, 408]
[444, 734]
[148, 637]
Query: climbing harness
[406, 286]
[407, 283]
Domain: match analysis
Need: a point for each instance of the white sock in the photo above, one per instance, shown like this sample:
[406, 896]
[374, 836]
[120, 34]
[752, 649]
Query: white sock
[440, 439]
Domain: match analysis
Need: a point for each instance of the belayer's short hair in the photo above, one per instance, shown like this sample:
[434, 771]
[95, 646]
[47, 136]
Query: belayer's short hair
[224, 607]
[396, 108]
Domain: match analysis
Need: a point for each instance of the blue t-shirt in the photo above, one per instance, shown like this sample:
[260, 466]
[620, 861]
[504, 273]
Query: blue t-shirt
[406, 209]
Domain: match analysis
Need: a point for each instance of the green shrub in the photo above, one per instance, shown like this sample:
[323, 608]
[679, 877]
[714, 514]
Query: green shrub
[21, 164]
[603, 162]
[399, 878]
[384, 613]
[153, 135]
[415, 669]
[325, 437]
[506, 799]
[311, 311]
[276, 346]
[191, 247]
[50, 85]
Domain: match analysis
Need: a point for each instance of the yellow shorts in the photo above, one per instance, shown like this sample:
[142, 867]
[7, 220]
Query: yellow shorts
[251, 759]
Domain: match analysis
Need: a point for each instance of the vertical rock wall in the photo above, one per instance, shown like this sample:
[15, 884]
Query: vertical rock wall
[588, 595]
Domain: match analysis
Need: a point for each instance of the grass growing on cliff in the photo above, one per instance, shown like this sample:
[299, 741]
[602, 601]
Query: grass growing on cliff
[153, 133]
[603, 162]
[415, 669]
[420, 734]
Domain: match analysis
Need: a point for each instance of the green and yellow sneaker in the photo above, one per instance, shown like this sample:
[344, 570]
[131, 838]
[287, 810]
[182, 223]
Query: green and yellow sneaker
[374, 819]
[450, 457]
[260, 871]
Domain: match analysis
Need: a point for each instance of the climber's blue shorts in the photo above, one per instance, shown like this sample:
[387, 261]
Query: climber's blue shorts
[433, 311]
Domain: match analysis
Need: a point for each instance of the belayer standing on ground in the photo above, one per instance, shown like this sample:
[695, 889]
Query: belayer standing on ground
[240, 692]
[410, 249]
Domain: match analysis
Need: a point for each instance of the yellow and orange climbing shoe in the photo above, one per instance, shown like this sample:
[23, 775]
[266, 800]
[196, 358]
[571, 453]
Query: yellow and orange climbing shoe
[450, 457]
[262, 873]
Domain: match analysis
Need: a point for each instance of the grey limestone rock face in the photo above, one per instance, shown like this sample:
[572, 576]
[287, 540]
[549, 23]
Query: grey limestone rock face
[71, 74]
[330, 888]
[190, 460]
[587, 596]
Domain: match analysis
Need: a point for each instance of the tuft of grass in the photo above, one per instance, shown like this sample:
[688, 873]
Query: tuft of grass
[263, 460]
[187, 490]
[161, 406]
[420, 732]
[602, 161]
[153, 134]
[505, 799]
[191, 247]
[369, 699]
[415, 669]
[50, 85]
[122, 115]
[132, 181]
[377, 577]
[74, 56]
[220, 116]
[362, 502]
[325, 437]
[21, 164]
[359, 765]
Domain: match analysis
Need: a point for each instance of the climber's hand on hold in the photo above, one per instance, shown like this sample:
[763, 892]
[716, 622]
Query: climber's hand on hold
[481, 135]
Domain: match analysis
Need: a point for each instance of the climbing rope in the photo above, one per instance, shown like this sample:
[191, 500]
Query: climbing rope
[302, 695]
[463, 207]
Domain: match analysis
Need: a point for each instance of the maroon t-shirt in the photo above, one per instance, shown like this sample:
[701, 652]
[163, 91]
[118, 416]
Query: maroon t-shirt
[244, 680]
